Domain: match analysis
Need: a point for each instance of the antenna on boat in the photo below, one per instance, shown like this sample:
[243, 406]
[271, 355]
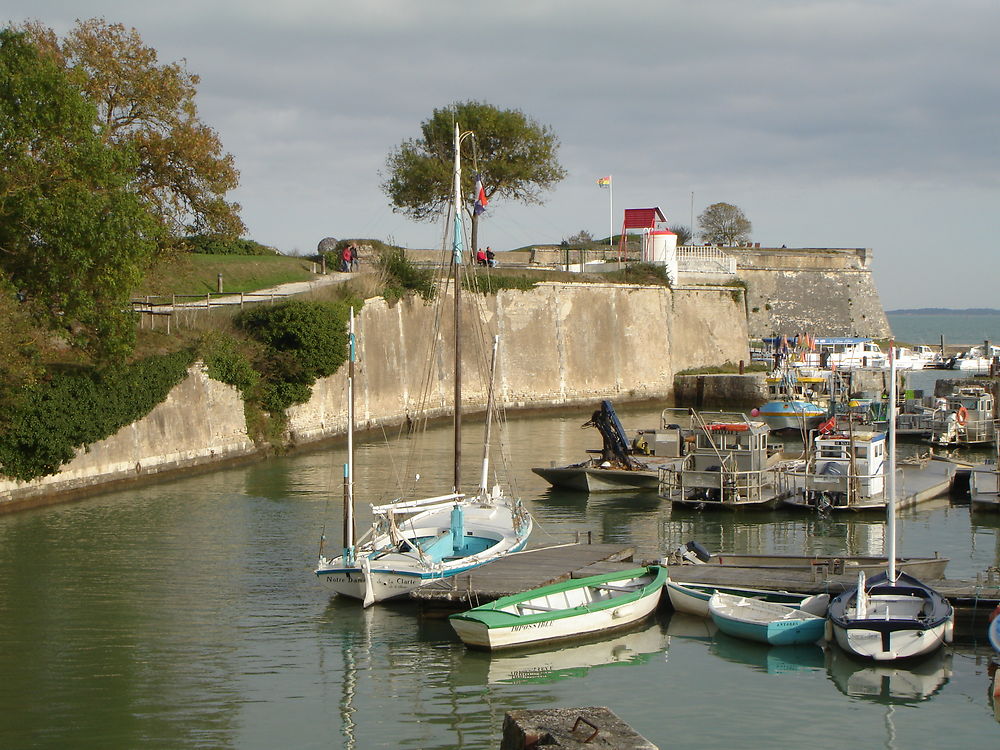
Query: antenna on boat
[891, 479]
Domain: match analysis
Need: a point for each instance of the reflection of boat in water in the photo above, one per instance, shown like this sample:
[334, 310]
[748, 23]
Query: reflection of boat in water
[637, 646]
[769, 659]
[892, 683]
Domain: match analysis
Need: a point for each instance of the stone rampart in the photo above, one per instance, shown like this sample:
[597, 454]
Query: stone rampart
[560, 344]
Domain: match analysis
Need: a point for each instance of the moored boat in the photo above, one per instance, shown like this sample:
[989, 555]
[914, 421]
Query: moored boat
[624, 463]
[769, 622]
[694, 553]
[730, 465]
[575, 608]
[414, 542]
[693, 598]
[968, 418]
[843, 471]
[892, 615]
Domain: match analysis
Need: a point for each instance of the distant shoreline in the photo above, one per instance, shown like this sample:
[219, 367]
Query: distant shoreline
[945, 311]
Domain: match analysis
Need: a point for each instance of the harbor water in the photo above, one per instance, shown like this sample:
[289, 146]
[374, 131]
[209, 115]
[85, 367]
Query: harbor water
[185, 614]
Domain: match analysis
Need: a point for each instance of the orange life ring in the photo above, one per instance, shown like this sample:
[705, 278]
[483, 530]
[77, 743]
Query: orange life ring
[729, 427]
[962, 415]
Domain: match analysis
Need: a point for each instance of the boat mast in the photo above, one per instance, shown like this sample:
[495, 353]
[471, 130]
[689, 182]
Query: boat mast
[349, 466]
[891, 479]
[456, 264]
[484, 477]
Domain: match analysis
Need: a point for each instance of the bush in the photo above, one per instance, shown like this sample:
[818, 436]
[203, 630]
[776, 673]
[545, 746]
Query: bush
[403, 277]
[640, 273]
[301, 341]
[491, 283]
[211, 244]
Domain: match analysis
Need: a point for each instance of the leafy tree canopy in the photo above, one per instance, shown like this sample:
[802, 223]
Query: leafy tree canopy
[74, 234]
[149, 108]
[515, 156]
[724, 224]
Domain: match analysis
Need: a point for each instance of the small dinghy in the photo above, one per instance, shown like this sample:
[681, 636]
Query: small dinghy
[769, 622]
[575, 608]
[693, 598]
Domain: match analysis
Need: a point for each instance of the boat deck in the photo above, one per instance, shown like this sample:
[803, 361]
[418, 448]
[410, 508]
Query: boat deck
[923, 482]
[522, 571]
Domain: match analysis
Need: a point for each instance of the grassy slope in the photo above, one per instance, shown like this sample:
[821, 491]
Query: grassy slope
[191, 273]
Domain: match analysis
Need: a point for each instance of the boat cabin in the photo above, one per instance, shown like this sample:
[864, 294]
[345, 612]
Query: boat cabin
[967, 417]
[843, 471]
[729, 464]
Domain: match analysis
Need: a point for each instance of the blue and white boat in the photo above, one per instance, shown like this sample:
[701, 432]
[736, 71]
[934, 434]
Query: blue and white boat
[414, 542]
[693, 598]
[769, 622]
[798, 399]
[993, 632]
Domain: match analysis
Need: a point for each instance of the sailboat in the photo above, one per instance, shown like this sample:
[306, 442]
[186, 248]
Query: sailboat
[892, 615]
[414, 542]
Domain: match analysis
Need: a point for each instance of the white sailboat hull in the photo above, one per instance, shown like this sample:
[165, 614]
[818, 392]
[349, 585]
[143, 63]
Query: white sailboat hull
[903, 643]
[423, 550]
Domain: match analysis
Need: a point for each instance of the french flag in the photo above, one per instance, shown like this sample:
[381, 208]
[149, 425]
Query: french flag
[480, 197]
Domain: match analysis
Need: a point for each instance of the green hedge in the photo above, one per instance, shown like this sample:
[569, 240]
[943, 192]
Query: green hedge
[216, 245]
[73, 409]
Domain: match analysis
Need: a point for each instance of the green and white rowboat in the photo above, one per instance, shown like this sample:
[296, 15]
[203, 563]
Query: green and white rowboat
[575, 608]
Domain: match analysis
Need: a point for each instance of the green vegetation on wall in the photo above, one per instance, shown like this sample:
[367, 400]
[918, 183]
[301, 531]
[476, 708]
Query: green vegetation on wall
[72, 409]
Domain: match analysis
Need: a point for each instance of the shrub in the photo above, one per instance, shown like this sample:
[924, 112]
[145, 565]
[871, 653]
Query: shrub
[402, 276]
[212, 244]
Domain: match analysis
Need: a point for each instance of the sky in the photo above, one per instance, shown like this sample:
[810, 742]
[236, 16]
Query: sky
[873, 123]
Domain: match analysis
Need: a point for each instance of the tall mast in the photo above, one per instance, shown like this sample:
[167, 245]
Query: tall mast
[349, 466]
[456, 264]
[891, 479]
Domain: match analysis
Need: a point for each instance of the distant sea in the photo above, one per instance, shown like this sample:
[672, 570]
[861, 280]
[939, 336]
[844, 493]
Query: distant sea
[957, 326]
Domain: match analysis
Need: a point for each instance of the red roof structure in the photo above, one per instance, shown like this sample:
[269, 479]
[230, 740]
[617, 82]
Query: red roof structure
[638, 218]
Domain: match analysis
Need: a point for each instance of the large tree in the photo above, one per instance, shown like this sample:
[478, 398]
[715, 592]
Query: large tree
[724, 224]
[74, 233]
[515, 156]
[149, 108]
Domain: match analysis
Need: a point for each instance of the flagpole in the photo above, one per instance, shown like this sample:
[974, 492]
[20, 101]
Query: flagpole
[611, 212]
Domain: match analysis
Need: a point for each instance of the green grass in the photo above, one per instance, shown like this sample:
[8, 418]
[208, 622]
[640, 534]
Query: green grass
[193, 273]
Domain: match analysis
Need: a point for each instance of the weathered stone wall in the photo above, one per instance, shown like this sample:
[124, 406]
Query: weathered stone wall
[201, 421]
[824, 291]
[560, 344]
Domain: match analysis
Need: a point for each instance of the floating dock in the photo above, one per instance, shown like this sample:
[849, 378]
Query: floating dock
[522, 571]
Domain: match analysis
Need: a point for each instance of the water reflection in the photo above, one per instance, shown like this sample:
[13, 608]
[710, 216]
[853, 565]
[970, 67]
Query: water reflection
[553, 664]
[769, 659]
[889, 683]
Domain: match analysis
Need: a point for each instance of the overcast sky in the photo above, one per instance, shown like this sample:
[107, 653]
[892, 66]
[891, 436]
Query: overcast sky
[873, 123]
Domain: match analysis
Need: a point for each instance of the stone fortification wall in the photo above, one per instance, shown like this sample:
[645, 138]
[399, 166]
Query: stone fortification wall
[560, 344]
[826, 292]
[200, 422]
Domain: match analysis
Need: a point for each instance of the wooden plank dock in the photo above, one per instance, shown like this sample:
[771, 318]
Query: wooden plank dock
[521, 571]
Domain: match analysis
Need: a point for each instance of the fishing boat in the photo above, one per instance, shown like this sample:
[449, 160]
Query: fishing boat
[730, 465]
[892, 615]
[843, 471]
[623, 463]
[799, 399]
[694, 553]
[414, 542]
[693, 598]
[769, 622]
[574, 608]
[967, 418]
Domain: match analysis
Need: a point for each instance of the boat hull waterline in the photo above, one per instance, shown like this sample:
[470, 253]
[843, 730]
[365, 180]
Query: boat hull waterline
[576, 608]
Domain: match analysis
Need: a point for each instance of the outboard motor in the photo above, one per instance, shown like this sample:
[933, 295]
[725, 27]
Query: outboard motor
[694, 553]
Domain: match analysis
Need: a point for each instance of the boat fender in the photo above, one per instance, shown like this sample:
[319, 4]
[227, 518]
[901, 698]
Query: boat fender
[698, 551]
[962, 415]
[949, 631]
[828, 631]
